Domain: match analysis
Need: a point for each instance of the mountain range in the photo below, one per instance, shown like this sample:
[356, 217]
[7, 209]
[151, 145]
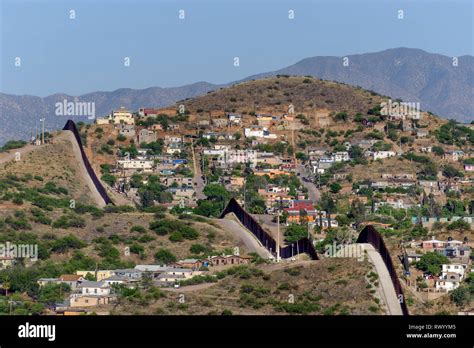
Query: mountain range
[413, 75]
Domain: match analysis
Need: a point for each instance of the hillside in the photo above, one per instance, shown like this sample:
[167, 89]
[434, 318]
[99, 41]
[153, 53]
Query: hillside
[45, 199]
[328, 287]
[410, 74]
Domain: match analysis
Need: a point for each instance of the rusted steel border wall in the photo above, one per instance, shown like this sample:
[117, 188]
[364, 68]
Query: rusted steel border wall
[304, 245]
[370, 235]
[71, 126]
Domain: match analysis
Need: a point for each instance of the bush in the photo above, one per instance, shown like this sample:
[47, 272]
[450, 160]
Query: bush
[460, 296]
[166, 226]
[109, 179]
[165, 256]
[64, 244]
[138, 228]
[137, 249]
[13, 144]
[198, 249]
[176, 237]
[459, 225]
[119, 209]
[71, 220]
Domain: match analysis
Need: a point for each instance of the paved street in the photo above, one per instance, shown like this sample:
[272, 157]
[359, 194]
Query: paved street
[197, 178]
[388, 291]
[313, 192]
[230, 223]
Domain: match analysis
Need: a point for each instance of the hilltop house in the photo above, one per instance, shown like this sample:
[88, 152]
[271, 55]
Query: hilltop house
[117, 117]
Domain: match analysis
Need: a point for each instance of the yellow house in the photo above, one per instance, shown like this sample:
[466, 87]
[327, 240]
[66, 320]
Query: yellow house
[119, 116]
[101, 275]
[90, 300]
[122, 115]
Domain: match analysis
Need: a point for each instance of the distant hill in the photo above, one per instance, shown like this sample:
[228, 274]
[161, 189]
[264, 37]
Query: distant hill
[18, 114]
[410, 74]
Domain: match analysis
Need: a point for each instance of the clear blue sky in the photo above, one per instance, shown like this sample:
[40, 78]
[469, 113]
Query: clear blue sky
[86, 54]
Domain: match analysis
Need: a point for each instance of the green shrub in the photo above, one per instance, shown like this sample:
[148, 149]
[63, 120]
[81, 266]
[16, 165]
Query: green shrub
[165, 256]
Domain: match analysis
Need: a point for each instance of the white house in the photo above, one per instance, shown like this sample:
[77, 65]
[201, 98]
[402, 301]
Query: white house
[94, 288]
[115, 280]
[241, 156]
[172, 139]
[453, 268]
[173, 148]
[135, 164]
[380, 154]
[258, 132]
[341, 156]
[234, 118]
[450, 282]
[451, 276]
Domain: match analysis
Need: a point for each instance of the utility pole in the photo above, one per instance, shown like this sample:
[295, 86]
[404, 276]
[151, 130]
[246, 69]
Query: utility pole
[42, 130]
[245, 194]
[278, 236]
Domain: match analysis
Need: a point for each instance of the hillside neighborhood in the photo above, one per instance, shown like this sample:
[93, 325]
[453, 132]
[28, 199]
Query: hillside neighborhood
[321, 170]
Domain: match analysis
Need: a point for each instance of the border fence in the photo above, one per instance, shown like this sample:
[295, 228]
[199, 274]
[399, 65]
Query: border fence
[370, 235]
[71, 126]
[304, 245]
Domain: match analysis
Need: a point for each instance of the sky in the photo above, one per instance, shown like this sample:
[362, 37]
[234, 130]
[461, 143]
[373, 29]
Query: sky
[85, 54]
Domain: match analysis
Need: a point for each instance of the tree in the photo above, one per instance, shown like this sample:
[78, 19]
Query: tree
[357, 211]
[165, 256]
[438, 150]
[208, 208]
[327, 204]
[216, 192]
[460, 296]
[295, 232]
[431, 262]
[53, 293]
[429, 170]
[335, 187]
[147, 198]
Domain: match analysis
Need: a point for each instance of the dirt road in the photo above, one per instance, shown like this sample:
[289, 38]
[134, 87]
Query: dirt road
[388, 291]
[95, 195]
[231, 224]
